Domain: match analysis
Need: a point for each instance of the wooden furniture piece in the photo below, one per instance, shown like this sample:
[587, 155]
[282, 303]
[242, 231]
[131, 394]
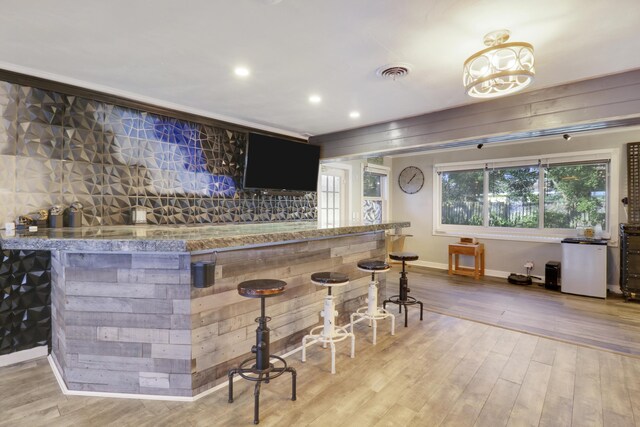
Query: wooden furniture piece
[633, 182]
[630, 260]
[476, 250]
[260, 368]
[372, 312]
[403, 299]
[328, 332]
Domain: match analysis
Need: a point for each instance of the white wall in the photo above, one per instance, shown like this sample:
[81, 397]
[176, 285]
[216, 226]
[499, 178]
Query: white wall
[502, 256]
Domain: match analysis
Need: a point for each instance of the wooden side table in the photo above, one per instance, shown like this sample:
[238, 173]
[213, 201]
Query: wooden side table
[474, 250]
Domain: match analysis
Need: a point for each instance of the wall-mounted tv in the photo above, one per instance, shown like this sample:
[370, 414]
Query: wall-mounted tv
[274, 163]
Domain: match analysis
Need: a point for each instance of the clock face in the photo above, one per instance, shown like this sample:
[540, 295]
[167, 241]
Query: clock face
[411, 180]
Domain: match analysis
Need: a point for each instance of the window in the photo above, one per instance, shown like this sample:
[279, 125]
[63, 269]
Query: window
[545, 196]
[513, 197]
[374, 194]
[575, 195]
[462, 197]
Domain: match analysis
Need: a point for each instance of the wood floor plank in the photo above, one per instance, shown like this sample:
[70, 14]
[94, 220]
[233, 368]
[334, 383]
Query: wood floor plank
[616, 404]
[605, 323]
[440, 369]
[558, 403]
[466, 409]
[631, 367]
[545, 351]
[399, 416]
[444, 370]
[498, 407]
[587, 399]
[528, 405]
[506, 343]
[518, 362]
[438, 406]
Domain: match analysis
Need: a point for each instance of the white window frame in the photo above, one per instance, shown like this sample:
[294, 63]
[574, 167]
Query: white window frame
[384, 189]
[528, 234]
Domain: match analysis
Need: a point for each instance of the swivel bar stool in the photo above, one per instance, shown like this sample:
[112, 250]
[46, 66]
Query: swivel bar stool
[403, 300]
[372, 312]
[328, 332]
[261, 369]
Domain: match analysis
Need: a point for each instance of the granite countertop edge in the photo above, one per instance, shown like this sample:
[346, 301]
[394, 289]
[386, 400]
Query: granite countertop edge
[137, 241]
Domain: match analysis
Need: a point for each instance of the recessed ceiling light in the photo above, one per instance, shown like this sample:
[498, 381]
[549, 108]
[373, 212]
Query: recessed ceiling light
[315, 99]
[241, 71]
[354, 114]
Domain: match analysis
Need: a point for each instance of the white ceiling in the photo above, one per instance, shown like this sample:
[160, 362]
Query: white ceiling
[181, 54]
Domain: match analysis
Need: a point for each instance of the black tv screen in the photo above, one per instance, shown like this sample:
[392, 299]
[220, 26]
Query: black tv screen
[278, 164]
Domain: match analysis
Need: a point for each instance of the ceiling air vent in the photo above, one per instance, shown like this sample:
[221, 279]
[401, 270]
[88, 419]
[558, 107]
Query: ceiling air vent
[393, 71]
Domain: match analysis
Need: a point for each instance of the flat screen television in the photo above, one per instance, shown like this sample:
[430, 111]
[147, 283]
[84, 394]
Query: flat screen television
[278, 164]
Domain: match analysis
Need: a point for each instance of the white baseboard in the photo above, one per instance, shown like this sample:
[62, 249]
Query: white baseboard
[23, 355]
[442, 266]
[66, 391]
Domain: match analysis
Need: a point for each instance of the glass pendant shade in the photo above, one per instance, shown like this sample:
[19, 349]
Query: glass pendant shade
[501, 69]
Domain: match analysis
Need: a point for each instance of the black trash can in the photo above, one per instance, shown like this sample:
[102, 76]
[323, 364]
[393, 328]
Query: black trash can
[552, 275]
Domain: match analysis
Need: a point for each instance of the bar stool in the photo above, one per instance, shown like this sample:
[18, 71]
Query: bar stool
[260, 368]
[403, 300]
[372, 311]
[328, 332]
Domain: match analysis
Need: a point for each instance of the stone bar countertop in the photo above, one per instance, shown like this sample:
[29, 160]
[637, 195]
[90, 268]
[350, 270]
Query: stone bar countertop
[178, 238]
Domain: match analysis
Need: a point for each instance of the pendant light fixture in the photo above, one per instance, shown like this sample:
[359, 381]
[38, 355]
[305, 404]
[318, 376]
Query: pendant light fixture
[501, 69]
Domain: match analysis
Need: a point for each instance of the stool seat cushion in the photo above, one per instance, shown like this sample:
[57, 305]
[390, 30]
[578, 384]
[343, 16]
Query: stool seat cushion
[403, 256]
[373, 265]
[329, 278]
[260, 288]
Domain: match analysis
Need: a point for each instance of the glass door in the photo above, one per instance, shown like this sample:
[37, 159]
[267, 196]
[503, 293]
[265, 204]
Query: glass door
[332, 204]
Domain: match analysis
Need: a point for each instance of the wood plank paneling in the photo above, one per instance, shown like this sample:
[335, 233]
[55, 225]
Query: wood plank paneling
[608, 101]
[223, 321]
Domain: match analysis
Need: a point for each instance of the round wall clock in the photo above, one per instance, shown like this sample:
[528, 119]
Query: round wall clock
[411, 179]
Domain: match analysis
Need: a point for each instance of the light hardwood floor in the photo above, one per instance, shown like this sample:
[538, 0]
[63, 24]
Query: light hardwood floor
[611, 324]
[445, 370]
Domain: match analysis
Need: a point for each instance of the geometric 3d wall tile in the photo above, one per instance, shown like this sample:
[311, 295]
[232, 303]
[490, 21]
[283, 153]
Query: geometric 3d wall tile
[112, 158]
[25, 300]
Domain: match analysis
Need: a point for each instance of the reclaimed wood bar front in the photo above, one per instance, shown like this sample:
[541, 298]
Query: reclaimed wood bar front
[126, 318]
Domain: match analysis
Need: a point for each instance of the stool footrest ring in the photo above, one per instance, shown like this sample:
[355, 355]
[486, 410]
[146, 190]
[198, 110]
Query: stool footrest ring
[395, 299]
[243, 370]
[380, 315]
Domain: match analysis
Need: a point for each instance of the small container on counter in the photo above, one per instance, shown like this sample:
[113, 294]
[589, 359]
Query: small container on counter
[74, 215]
[56, 217]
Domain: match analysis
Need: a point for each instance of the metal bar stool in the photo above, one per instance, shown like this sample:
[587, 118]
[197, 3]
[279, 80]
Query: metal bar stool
[260, 368]
[403, 300]
[328, 332]
[372, 311]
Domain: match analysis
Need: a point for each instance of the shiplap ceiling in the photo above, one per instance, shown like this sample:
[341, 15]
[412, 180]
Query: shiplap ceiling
[181, 54]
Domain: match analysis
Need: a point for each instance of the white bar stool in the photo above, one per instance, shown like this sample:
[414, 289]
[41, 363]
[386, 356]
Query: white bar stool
[372, 312]
[328, 332]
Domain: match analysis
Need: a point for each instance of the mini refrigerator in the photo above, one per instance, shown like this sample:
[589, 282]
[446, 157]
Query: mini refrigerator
[584, 267]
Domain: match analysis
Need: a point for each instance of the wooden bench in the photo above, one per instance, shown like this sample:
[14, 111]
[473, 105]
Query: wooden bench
[475, 250]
